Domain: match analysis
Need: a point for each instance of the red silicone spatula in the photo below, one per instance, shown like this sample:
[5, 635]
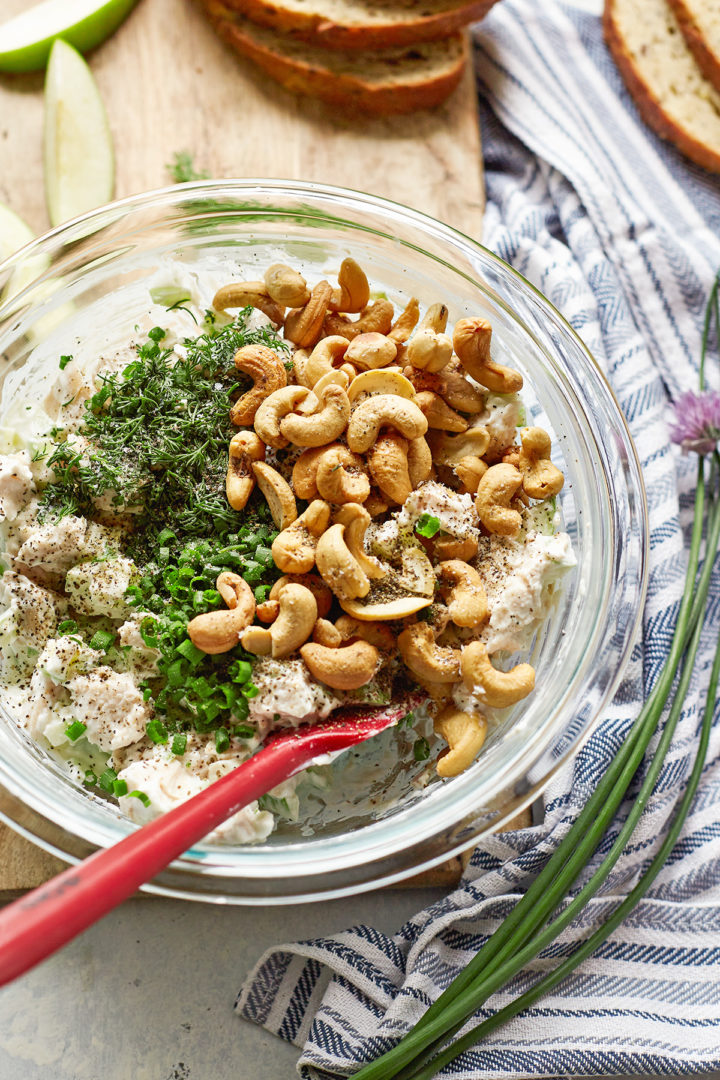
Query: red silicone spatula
[37, 924]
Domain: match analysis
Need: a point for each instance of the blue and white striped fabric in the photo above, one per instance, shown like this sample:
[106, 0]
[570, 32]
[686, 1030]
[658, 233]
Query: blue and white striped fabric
[622, 235]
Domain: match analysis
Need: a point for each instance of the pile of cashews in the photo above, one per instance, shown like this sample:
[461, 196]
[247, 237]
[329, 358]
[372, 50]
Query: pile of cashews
[376, 406]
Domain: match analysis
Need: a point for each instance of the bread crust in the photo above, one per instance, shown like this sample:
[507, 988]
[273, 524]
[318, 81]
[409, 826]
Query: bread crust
[647, 101]
[345, 91]
[319, 30]
[706, 59]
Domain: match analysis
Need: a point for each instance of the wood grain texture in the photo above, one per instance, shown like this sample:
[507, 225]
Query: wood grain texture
[169, 84]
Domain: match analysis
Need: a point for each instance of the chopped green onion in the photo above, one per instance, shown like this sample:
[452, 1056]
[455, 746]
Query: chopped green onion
[156, 731]
[64, 361]
[427, 525]
[67, 626]
[119, 788]
[89, 779]
[191, 652]
[222, 740]
[107, 780]
[243, 731]
[421, 749]
[179, 744]
[102, 640]
[75, 730]
[139, 795]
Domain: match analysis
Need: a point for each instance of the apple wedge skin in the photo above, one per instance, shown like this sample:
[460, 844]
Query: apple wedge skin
[83, 35]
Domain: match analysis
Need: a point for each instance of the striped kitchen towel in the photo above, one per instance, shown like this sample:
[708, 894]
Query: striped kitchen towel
[622, 235]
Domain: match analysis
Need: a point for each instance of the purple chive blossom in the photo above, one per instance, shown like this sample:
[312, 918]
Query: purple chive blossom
[697, 421]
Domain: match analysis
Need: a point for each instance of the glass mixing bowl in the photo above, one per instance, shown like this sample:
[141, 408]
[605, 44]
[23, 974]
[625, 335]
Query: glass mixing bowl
[580, 654]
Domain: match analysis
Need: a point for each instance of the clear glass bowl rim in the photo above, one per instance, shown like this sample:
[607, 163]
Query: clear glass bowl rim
[32, 815]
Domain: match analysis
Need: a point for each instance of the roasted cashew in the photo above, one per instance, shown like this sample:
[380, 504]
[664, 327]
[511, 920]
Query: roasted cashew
[353, 290]
[452, 386]
[313, 582]
[219, 631]
[321, 427]
[449, 547]
[467, 600]
[267, 371]
[341, 476]
[338, 567]
[344, 668]
[278, 493]
[425, 658]
[541, 479]
[406, 322]
[356, 519]
[286, 286]
[324, 633]
[376, 633]
[370, 351]
[273, 409]
[295, 621]
[336, 377]
[294, 548]
[257, 640]
[304, 473]
[303, 325]
[420, 464]
[375, 504]
[388, 464]
[499, 688]
[464, 734]
[377, 318]
[429, 349]
[471, 340]
[323, 358]
[438, 413]
[383, 410]
[381, 381]
[242, 294]
[386, 610]
[267, 612]
[495, 492]
[470, 471]
[449, 449]
[245, 447]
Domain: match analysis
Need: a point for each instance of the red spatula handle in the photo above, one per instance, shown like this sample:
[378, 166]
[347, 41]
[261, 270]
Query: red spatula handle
[36, 925]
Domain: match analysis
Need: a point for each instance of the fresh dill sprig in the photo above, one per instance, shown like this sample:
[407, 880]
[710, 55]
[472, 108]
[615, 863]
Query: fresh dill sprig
[158, 434]
[182, 168]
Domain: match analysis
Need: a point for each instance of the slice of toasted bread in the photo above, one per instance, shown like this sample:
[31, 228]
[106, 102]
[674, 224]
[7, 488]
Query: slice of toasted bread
[699, 21]
[377, 82]
[661, 74]
[363, 24]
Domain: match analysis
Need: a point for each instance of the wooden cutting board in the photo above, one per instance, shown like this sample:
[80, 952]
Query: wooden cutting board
[170, 85]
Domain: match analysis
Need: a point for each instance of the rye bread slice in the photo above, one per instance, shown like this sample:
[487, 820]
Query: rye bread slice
[699, 21]
[661, 74]
[377, 82]
[363, 24]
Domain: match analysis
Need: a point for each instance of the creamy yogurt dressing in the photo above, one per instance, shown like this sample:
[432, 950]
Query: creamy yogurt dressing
[53, 679]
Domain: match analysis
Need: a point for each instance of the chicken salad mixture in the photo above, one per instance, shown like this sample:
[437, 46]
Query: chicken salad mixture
[264, 509]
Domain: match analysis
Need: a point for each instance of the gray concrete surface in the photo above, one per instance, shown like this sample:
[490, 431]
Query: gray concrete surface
[147, 993]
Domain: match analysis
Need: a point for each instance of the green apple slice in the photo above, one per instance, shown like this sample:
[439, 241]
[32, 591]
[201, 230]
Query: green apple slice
[79, 161]
[14, 234]
[25, 40]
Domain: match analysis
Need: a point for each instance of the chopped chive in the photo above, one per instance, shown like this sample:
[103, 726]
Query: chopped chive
[179, 744]
[156, 731]
[222, 740]
[427, 525]
[89, 779]
[75, 730]
[421, 749]
[119, 788]
[139, 795]
[67, 626]
[102, 640]
[107, 779]
[64, 361]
